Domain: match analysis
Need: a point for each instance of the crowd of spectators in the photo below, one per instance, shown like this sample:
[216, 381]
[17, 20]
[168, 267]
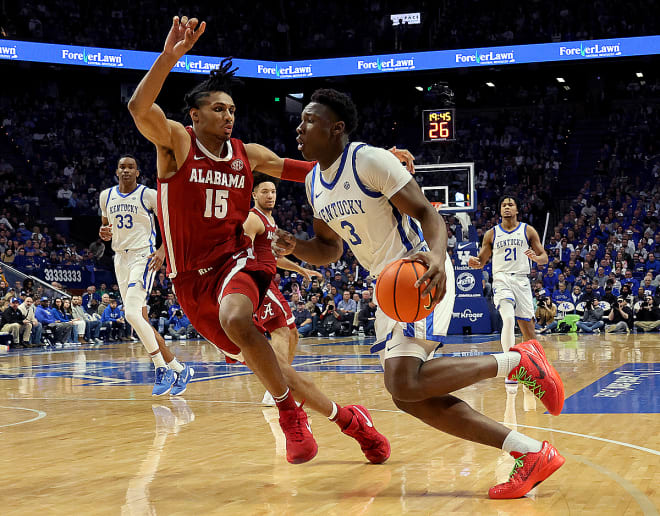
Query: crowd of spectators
[293, 29]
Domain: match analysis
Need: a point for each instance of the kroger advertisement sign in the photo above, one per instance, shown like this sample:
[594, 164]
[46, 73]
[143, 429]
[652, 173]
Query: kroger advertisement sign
[357, 65]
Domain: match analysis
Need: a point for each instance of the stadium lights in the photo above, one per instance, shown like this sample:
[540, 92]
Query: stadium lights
[639, 74]
[567, 87]
[419, 88]
[490, 84]
[561, 79]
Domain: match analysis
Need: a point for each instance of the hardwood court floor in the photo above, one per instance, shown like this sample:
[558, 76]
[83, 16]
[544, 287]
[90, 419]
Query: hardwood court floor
[80, 434]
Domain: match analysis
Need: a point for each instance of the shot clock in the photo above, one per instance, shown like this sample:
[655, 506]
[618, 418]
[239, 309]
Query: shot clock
[438, 125]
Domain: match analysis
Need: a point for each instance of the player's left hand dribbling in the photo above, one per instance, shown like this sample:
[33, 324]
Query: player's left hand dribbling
[435, 276]
[283, 243]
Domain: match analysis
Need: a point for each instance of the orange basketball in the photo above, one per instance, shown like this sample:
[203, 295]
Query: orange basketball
[396, 293]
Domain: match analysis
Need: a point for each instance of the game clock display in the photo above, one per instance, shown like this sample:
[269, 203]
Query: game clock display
[438, 125]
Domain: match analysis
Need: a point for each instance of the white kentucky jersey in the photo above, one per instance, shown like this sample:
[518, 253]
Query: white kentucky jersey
[132, 217]
[509, 250]
[353, 196]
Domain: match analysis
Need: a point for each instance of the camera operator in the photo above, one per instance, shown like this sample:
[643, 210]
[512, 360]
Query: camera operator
[330, 320]
[620, 317]
[546, 312]
[648, 316]
[592, 319]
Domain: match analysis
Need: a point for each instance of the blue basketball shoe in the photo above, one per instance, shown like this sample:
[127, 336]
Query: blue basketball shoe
[165, 378]
[182, 380]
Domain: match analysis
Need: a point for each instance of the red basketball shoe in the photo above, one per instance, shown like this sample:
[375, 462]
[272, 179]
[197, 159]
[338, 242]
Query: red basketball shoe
[375, 445]
[536, 373]
[300, 444]
[528, 471]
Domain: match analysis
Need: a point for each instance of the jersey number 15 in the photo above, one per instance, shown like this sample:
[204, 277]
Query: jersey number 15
[216, 207]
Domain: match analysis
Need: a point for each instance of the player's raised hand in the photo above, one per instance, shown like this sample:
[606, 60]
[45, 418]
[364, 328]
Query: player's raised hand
[434, 277]
[309, 274]
[156, 259]
[105, 232]
[183, 36]
[405, 157]
[283, 243]
[474, 262]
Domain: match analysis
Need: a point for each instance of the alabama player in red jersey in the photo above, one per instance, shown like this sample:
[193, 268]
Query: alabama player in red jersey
[204, 187]
[274, 314]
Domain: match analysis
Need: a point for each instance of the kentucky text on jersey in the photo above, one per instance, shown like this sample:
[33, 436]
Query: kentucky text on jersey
[340, 209]
[215, 177]
[117, 208]
[510, 242]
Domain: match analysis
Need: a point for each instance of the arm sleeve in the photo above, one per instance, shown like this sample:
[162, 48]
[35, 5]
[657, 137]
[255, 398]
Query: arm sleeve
[380, 171]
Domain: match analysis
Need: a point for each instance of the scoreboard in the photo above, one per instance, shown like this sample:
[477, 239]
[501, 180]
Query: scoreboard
[438, 125]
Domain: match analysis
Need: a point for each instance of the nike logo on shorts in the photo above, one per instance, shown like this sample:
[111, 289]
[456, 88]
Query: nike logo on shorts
[393, 346]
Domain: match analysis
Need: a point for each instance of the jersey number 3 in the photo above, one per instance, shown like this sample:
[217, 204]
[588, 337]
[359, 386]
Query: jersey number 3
[217, 209]
[355, 239]
[508, 252]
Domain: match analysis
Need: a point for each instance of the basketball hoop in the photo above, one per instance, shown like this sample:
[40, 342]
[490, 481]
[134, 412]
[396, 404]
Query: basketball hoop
[437, 205]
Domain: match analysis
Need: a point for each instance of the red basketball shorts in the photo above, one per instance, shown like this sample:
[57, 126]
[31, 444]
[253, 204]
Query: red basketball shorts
[200, 293]
[274, 312]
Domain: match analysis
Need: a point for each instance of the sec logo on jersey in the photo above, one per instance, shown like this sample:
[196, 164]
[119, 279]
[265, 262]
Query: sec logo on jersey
[237, 165]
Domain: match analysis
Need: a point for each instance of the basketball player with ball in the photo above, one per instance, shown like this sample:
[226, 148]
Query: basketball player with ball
[513, 245]
[362, 195]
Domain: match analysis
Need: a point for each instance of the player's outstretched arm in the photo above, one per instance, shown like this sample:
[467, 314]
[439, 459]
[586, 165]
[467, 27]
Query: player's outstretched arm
[265, 160]
[253, 226]
[148, 116]
[536, 253]
[485, 253]
[326, 246]
[285, 263]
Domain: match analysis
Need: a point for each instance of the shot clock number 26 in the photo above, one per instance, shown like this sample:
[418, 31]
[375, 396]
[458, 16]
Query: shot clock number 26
[438, 125]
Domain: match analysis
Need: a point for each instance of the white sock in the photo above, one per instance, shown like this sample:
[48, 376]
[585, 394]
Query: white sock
[333, 414]
[508, 313]
[158, 360]
[176, 365]
[520, 443]
[506, 362]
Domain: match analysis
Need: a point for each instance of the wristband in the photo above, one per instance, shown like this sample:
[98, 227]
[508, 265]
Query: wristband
[296, 170]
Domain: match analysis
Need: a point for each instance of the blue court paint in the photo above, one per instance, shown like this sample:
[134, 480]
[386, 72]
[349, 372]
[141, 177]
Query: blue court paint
[629, 389]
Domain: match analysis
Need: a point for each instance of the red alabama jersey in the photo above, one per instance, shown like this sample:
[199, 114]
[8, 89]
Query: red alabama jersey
[261, 244]
[201, 208]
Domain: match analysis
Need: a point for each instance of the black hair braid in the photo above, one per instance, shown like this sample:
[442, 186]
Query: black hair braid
[220, 79]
